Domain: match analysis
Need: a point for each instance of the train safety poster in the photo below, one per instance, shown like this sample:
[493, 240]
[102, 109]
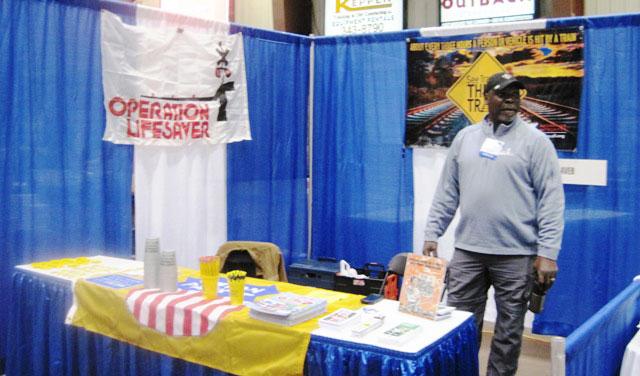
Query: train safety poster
[447, 75]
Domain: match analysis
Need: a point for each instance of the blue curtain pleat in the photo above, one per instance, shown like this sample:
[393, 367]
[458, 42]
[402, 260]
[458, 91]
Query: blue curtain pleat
[599, 255]
[64, 192]
[362, 174]
[267, 176]
[598, 345]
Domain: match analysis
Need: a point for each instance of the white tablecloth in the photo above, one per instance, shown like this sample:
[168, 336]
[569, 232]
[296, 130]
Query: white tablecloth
[431, 330]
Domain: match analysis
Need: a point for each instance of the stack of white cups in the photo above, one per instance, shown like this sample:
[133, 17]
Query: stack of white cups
[151, 262]
[168, 271]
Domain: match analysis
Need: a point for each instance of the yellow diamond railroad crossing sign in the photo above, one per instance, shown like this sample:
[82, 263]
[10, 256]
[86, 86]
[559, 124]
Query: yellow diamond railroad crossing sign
[468, 92]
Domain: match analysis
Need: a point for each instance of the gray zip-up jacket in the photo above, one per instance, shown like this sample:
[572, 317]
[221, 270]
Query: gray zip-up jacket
[508, 188]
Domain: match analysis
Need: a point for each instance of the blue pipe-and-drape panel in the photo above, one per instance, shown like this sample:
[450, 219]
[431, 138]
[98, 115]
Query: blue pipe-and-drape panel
[362, 203]
[63, 192]
[267, 176]
[600, 250]
[598, 345]
[41, 344]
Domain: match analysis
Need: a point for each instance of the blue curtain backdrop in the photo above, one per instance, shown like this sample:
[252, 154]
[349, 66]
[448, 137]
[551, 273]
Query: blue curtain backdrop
[601, 247]
[64, 192]
[362, 175]
[266, 177]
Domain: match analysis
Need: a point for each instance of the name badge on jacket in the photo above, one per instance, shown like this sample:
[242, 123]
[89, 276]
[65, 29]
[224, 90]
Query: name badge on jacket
[491, 148]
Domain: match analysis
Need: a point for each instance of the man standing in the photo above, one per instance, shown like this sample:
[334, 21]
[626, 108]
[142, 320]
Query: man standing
[503, 175]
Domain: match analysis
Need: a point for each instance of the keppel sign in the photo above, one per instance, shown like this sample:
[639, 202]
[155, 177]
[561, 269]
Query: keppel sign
[362, 16]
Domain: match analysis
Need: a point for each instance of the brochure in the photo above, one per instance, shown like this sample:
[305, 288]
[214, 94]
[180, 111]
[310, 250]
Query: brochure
[422, 285]
[339, 319]
[370, 321]
[401, 333]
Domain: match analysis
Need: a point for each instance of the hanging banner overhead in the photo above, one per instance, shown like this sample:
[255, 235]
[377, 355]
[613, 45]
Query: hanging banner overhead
[447, 75]
[172, 86]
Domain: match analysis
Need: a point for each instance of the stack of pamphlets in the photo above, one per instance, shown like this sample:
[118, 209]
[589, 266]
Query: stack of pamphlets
[401, 333]
[287, 308]
[339, 319]
[443, 312]
[370, 321]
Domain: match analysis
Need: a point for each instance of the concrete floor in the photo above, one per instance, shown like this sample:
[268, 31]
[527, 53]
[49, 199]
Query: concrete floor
[535, 358]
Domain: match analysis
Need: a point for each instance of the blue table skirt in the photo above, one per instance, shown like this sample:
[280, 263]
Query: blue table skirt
[39, 343]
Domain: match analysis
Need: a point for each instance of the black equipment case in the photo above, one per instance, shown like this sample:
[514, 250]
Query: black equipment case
[316, 273]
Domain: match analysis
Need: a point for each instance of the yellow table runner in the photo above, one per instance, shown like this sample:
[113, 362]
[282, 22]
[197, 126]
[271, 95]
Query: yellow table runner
[238, 344]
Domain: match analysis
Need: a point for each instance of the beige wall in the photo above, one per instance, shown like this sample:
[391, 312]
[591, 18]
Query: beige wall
[422, 13]
[255, 13]
[595, 7]
[210, 9]
[149, 3]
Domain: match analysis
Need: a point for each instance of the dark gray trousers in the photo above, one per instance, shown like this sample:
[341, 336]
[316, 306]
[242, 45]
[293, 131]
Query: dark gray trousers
[470, 275]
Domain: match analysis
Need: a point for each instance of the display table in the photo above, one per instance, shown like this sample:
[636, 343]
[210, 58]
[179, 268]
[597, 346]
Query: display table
[40, 343]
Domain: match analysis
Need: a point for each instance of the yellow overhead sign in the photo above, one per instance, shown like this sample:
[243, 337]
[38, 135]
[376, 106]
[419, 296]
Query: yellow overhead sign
[467, 93]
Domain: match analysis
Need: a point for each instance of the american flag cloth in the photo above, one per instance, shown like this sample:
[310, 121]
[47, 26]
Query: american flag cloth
[178, 313]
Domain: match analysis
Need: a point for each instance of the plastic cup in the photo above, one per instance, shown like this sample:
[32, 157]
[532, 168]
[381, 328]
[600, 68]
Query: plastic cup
[209, 265]
[168, 271]
[236, 291]
[209, 286]
[151, 263]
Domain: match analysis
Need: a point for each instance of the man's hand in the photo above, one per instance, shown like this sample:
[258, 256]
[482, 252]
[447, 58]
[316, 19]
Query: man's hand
[430, 249]
[547, 270]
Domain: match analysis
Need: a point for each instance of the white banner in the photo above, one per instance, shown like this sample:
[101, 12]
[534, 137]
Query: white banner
[172, 86]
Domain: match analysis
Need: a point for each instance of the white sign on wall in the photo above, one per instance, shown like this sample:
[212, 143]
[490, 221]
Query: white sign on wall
[583, 171]
[465, 12]
[362, 16]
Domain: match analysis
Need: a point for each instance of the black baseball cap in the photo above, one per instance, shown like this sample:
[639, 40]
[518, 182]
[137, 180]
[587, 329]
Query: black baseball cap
[501, 81]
